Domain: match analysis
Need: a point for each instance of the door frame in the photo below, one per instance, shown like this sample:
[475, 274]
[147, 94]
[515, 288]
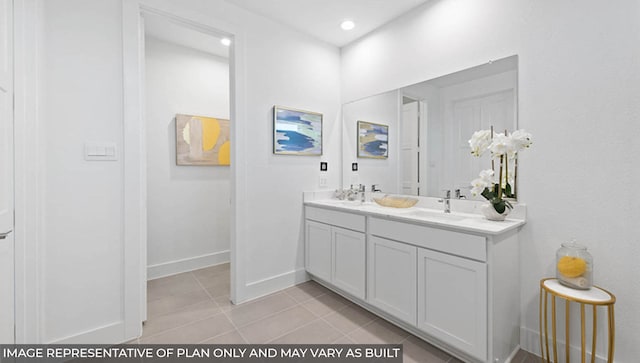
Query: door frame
[29, 173]
[134, 139]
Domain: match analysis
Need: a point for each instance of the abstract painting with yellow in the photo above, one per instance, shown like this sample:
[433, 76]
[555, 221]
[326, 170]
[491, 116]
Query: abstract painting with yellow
[202, 140]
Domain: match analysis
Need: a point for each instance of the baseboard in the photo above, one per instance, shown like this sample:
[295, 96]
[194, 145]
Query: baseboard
[530, 341]
[108, 334]
[186, 264]
[513, 354]
[263, 287]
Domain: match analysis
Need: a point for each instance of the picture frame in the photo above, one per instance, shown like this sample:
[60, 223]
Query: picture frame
[373, 140]
[202, 141]
[296, 132]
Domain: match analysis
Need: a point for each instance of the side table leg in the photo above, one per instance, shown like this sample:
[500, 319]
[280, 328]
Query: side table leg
[546, 325]
[582, 331]
[595, 333]
[612, 334]
[567, 327]
[542, 336]
[553, 328]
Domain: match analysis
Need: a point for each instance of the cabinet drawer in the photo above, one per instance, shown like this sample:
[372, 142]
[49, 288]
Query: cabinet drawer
[351, 221]
[460, 244]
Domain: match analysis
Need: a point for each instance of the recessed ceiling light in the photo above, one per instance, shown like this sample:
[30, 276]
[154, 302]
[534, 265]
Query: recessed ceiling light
[348, 25]
[225, 41]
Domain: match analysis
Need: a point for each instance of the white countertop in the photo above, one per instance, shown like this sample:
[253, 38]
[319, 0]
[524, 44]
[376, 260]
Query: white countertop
[463, 222]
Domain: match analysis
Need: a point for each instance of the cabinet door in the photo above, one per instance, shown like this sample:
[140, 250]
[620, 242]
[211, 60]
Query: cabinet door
[391, 278]
[318, 249]
[452, 301]
[349, 260]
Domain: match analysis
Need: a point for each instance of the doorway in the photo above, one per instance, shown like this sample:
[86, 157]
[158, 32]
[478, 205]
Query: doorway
[138, 195]
[187, 147]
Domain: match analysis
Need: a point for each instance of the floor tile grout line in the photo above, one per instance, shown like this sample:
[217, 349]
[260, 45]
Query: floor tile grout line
[246, 341]
[359, 326]
[340, 337]
[272, 315]
[304, 301]
[295, 329]
[181, 308]
[225, 313]
[223, 333]
[181, 326]
[206, 291]
[185, 307]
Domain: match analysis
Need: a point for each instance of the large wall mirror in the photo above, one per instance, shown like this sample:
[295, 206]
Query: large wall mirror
[430, 124]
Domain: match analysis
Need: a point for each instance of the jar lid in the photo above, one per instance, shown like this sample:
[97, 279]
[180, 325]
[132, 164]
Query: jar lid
[575, 245]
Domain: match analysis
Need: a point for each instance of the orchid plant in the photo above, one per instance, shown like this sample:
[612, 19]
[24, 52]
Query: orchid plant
[504, 148]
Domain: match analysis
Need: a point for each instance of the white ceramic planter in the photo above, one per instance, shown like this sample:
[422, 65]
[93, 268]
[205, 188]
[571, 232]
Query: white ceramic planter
[491, 214]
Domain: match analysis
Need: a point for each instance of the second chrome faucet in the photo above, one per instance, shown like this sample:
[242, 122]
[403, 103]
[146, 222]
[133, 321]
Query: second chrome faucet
[446, 200]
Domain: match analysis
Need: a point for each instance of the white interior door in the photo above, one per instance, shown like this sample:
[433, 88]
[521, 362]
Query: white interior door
[409, 149]
[470, 115]
[7, 291]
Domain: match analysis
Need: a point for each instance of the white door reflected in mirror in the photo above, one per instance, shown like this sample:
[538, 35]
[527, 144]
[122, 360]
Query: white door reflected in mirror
[430, 124]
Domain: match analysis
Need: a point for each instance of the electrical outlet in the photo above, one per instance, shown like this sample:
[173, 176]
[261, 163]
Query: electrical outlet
[322, 182]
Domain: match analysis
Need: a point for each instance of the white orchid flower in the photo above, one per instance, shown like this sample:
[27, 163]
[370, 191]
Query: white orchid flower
[521, 139]
[487, 176]
[479, 142]
[478, 186]
[502, 145]
[484, 181]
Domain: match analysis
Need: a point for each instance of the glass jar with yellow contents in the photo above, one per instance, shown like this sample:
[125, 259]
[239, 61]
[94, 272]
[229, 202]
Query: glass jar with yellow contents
[574, 266]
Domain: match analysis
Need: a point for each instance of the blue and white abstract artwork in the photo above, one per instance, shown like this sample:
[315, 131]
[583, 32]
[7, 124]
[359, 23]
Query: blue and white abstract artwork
[373, 140]
[296, 132]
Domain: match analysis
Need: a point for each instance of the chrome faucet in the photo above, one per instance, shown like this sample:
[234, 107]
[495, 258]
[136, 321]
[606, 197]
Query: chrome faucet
[446, 200]
[374, 188]
[458, 195]
[352, 193]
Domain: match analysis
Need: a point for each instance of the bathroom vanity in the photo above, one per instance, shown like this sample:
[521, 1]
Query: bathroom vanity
[452, 279]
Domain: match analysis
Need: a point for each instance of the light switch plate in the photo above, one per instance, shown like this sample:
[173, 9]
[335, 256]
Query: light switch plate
[100, 151]
[322, 182]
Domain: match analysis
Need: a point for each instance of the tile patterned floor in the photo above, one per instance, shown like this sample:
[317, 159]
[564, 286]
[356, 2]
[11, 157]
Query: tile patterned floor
[194, 307]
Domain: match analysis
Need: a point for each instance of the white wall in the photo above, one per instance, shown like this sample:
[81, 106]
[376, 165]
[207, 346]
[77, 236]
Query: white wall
[188, 206]
[578, 89]
[380, 109]
[288, 69]
[82, 95]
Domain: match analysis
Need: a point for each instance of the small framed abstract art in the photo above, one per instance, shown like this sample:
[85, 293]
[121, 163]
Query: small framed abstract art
[296, 132]
[373, 140]
[202, 140]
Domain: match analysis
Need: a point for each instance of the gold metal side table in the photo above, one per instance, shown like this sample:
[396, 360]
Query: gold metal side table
[594, 297]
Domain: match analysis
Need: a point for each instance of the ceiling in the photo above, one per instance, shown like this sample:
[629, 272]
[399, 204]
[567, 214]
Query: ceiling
[321, 18]
[159, 27]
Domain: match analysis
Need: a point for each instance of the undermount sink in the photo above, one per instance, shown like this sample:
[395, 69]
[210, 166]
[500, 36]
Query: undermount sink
[346, 203]
[434, 214]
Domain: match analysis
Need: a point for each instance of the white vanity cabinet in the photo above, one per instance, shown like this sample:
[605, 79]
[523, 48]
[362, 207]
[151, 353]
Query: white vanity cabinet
[449, 287]
[456, 288]
[318, 249]
[335, 249]
[391, 278]
[452, 300]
